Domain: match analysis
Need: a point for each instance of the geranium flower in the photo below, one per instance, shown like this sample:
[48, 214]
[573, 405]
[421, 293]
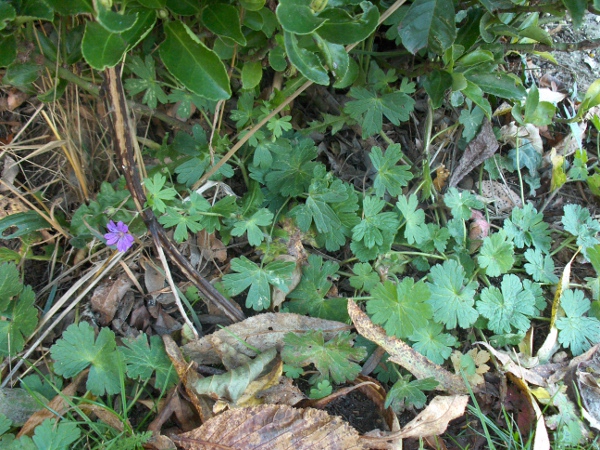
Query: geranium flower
[119, 234]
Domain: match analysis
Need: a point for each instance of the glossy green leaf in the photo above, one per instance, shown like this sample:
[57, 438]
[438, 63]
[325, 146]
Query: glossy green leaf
[429, 24]
[308, 63]
[297, 16]
[35, 10]
[113, 21]
[7, 13]
[251, 74]
[21, 75]
[537, 34]
[101, 48]
[277, 59]
[350, 77]
[436, 83]
[475, 94]
[71, 7]
[154, 4]
[184, 7]
[336, 57]
[342, 28]
[223, 20]
[195, 66]
[577, 9]
[252, 5]
[146, 18]
[25, 223]
[475, 57]
[8, 50]
[499, 84]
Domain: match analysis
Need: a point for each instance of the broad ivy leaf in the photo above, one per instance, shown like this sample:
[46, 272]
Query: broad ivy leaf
[540, 266]
[368, 109]
[143, 360]
[10, 284]
[157, 195]
[258, 278]
[432, 343]
[260, 218]
[77, 350]
[372, 227]
[579, 223]
[436, 83]
[400, 308]
[292, 170]
[193, 64]
[53, 435]
[309, 295]
[452, 297]
[365, 278]
[461, 203]
[575, 330]
[525, 156]
[335, 359]
[411, 392]
[390, 176]
[146, 82]
[471, 121]
[429, 24]
[224, 20]
[415, 229]
[19, 321]
[526, 227]
[507, 308]
[497, 254]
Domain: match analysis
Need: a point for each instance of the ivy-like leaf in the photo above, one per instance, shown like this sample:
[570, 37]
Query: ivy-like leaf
[452, 298]
[146, 82]
[370, 230]
[52, 435]
[143, 359]
[260, 218]
[507, 308]
[575, 330]
[292, 170]
[19, 321]
[365, 278]
[258, 279]
[77, 350]
[540, 266]
[400, 308]
[579, 223]
[334, 360]
[157, 195]
[497, 254]
[415, 230]
[309, 295]
[526, 227]
[390, 176]
[410, 391]
[461, 203]
[368, 109]
[432, 343]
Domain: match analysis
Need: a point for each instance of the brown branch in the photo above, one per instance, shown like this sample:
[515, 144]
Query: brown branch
[122, 132]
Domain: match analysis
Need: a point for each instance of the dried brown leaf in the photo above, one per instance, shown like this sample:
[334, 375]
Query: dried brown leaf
[479, 149]
[404, 355]
[10, 171]
[107, 296]
[262, 331]
[501, 195]
[272, 427]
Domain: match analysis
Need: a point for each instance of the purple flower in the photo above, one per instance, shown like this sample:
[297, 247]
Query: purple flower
[119, 234]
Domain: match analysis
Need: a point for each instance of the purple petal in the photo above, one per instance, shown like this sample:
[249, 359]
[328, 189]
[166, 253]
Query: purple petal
[125, 243]
[111, 238]
[112, 227]
[122, 227]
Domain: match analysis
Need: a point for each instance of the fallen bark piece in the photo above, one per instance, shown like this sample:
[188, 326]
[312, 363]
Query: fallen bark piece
[272, 427]
[405, 356]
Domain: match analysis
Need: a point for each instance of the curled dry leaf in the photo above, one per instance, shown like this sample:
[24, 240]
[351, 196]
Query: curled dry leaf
[501, 195]
[508, 365]
[278, 296]
[511, 134]
[107, 296]
[285, 392]
[273, 427]
[404, 355]
[10, 171]
[479, 149]
[262, 331]
[479, 358]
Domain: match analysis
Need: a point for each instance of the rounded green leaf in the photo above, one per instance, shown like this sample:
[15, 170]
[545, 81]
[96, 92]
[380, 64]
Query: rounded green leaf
[336, 57]
[71, 7]
[277, 59]
[254, 20]
[21, 75]
[8, 50]
[251, 74]
[184, 7]
[342, 28]
[113, 21]
[193, 64]
[252, 5]
[101, 48]
[305, 61]
[7, 13]
[349, 77]
[436, 83]
[475, 57]
[499, 84]
[223, 20]
[296, 16]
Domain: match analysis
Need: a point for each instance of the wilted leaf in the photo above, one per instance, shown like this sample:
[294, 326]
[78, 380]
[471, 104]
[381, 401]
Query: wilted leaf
[262, 331]
[273, 427]
[479, 149]
[107, 296]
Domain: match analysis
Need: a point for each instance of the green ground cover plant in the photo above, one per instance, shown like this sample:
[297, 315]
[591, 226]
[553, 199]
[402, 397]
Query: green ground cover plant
[315, 206]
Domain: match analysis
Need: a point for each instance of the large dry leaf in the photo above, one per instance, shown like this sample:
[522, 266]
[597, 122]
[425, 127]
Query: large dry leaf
[514, 135]
[107, 296]
[19, 405]
[404, 355]
[479, 149]
[501, 195]
[262, 331]
[272, 427]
